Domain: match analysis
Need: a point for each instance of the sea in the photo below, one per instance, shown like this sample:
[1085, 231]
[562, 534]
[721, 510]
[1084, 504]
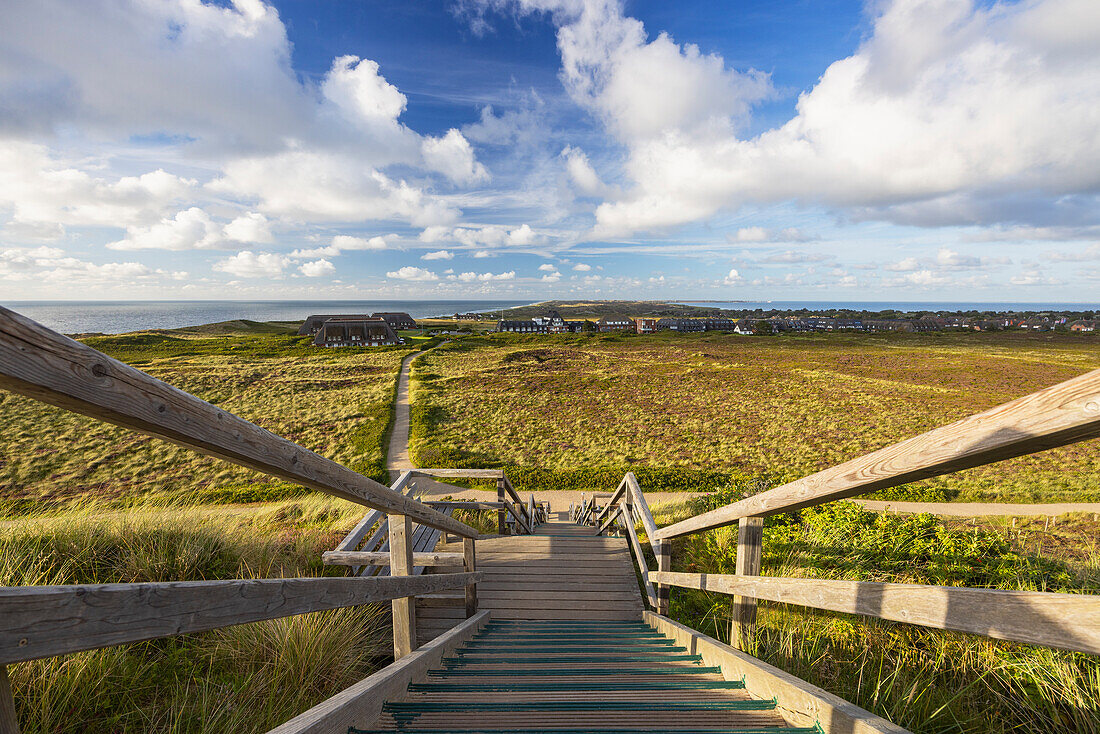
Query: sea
[908, 306]
[117, 317]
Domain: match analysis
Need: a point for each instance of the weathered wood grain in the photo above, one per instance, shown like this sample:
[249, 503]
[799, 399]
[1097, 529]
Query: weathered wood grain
[1055, 416]
[401, 564]
[42, 621]
[9, 723]
[469, 562]
[355, 536]
[55, 369]
[382, 558]
[801, 703]
[664, 566]
[461, 473]
[643, 569]
[750, 546]
[1066, 621]
[641, 506]
[360, 705]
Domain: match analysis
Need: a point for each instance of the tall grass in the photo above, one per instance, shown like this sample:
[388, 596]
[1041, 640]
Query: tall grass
[247, 678]
[926, 680]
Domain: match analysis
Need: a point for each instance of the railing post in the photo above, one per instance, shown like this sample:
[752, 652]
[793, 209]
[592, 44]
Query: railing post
[664, 563]
[502, 513]
[401, 564]
[8, 723]
[469, 562]
[750, 545]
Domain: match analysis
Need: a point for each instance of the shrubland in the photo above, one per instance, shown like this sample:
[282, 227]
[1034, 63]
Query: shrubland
[926, 680]
[697, 411]
[337, 402]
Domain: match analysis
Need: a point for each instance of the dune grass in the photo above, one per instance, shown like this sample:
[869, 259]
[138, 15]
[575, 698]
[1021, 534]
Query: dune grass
[247, 678]
[337, 402]
[743, 407]
[925, 680]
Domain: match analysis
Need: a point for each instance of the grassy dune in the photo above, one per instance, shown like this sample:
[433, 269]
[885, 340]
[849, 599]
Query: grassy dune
[242, 679]
[925, 680]
[337, 402]
[776, 408]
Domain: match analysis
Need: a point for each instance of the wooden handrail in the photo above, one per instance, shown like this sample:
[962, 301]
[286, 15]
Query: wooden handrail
[619, 491]
[382, 558]
[43, 621]
[643, 569]
[352, 540]
[1055, 416]
[42, 364]
[1065, 621]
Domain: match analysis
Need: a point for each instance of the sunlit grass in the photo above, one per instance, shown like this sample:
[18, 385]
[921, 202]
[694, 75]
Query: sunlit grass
[773, 407]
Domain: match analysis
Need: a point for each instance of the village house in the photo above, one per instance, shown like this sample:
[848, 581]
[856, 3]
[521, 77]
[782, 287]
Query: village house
[356, 331]
[719, 324]
[553, 322]
[397, 321]
[523, 327]
[645, 325]
[467, 317]
[614, 323]
[1084, 325]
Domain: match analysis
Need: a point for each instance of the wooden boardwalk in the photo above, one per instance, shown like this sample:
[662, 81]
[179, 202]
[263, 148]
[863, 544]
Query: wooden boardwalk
[576, 676]
[563, 571]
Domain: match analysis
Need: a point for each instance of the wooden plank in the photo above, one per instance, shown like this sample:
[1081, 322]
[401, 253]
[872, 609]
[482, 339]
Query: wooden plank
[501, 515]
[360, 705]
[401, 564]
[9, 723]
[801, 703]
[461, 473]
[460, 505]
[615, 497]
[382, 558]
[611, 518]
[1055, 416]
[352, 539]
[642, 508]
[664, 566]
[55, 369]
[750, 545]
[1065, 621]
[469, 554]
[526, 521]
[42, 621]
[640, 560]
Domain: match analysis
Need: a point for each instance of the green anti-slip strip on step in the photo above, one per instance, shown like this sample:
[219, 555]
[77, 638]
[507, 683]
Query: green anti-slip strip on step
[483, 649]
[415, 708]
[522, 660]
[575, 672]
[553, 686]
[590, 730]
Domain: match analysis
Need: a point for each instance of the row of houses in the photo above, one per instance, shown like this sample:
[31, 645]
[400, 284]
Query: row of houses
[356, 330]
[553, 323]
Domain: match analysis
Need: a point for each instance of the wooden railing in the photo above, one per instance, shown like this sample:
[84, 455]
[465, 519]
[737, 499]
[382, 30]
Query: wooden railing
[43, 621]
[1056, 416]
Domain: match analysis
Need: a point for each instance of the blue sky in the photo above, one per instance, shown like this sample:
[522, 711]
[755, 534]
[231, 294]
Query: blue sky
[904, 150]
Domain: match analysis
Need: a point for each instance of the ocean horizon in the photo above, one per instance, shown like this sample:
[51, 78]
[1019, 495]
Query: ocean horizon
[117, 317]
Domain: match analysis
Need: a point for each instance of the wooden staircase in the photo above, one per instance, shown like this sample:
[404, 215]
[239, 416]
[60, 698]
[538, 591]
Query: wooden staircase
[536, 676]
[560, 572]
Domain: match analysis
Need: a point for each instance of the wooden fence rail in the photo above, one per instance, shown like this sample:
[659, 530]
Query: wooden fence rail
[42, 621]
[1066, 621]
[55, 369]
[1056, 416]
